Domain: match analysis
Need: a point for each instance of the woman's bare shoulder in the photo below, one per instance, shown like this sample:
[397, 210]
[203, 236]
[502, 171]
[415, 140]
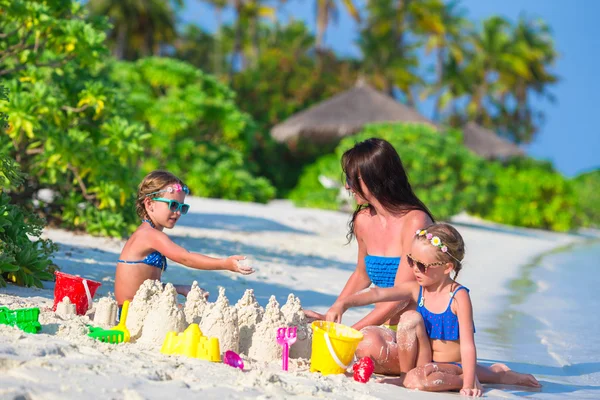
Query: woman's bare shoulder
[416, 219]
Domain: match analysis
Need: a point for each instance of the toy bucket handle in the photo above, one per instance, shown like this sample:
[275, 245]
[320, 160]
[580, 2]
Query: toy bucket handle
[87, 293]
[333, 354]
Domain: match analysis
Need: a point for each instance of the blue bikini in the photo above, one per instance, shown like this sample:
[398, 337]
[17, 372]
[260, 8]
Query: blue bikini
[382, 270]
[154, 259]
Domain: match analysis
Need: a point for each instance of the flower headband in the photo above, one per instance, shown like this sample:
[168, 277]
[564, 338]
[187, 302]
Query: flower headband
[174, 188]
[435, 241]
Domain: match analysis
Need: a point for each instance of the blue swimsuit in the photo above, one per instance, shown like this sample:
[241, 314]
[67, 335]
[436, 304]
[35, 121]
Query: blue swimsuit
[382, 270]
[155, 259]
[442, 326]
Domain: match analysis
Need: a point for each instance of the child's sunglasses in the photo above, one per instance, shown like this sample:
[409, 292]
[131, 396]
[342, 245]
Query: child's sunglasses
[174, 205]
[421, 265]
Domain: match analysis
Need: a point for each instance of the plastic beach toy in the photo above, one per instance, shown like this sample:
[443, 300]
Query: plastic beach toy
[122, 327]
[333, 347]
[106, 335]
[363, 369]
[233, 359]
[79, 290]
[25, 319]
[192, 343]
[286, 337]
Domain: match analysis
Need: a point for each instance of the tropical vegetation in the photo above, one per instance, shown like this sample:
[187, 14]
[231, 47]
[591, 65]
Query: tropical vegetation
[103, 91]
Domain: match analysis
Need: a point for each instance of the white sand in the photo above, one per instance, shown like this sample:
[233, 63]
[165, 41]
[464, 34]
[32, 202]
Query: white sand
[298, 251]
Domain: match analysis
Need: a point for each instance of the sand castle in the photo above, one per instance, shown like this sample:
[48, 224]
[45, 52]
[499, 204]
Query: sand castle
[245, 328]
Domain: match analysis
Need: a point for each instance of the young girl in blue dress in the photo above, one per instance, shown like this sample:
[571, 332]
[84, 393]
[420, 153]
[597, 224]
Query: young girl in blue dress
[439, 347]
[160, 203]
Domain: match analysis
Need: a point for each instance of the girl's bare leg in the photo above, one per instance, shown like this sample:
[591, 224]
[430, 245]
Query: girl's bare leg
[501, 374]
[413, 345]
[435, 377]
[379, 343]
[414, 348]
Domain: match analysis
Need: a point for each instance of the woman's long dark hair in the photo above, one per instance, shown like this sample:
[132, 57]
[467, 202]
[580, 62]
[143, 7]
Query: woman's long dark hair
[378, 165]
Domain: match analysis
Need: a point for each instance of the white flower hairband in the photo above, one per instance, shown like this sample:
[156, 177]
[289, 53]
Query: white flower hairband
[435, 241]
[170, 189]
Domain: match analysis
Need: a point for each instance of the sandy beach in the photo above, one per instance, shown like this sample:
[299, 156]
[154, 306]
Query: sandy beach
[300, 251]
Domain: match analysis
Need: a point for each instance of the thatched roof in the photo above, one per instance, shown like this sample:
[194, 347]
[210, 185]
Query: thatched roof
[345, 114]
[487, 144]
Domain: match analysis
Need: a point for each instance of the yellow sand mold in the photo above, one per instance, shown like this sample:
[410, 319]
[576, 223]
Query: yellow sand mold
[192, 343]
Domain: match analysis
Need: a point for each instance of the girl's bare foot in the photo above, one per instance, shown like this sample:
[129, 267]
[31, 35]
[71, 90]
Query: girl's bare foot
[510, 377]
[397, 380]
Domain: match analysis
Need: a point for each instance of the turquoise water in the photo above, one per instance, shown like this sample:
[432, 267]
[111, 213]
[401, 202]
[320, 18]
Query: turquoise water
[550, 326]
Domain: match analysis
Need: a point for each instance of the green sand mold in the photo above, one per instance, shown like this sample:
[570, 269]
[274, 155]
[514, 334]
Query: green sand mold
[25, 319]
[106, 335]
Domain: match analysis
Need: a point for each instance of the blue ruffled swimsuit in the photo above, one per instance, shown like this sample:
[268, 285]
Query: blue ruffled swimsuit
[154, 259]
[442, 326]
[382, 270]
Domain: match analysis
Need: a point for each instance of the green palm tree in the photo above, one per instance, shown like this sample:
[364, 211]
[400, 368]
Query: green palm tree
[328, 9]
[140, 26]
[447, 28]
[389, 51]
[219, 6]
[506, 63]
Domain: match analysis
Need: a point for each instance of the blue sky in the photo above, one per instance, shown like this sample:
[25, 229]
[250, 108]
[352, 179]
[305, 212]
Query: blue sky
[568, 137]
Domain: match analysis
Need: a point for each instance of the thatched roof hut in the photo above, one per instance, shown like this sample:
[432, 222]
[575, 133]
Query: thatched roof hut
[345, 114]
[487, 144]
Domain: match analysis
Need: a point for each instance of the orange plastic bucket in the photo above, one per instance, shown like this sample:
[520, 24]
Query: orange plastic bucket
[80, 291]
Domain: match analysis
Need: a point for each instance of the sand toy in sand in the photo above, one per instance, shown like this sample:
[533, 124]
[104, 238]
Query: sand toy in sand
[25, 319]
[333, 347]
[192, 343]
[80, 291]
[286, 337]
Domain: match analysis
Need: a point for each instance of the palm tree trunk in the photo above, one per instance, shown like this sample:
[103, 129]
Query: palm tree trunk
[440, 79]
[218, 61]
[253, 30]
[237, 44]
[322, 17]
[121, 42]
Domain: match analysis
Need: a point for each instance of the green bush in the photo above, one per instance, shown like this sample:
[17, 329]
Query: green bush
[446, 176]
[198, 132]
[587, 189]
[70, 128]
[531, 194]
[24, 259]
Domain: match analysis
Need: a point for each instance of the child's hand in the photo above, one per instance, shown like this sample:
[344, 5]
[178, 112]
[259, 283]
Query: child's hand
[234, 265]
[477, 391]
[335, 313]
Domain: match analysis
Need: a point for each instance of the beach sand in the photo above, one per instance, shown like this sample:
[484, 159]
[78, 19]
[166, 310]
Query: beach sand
[300, 251]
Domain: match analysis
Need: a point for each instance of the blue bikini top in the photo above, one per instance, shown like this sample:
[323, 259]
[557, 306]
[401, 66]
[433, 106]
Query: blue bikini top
[154, 259]
[382, 270]
[442, 326]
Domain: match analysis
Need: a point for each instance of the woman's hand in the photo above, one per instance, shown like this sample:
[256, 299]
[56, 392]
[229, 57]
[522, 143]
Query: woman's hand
[314, 316]
[233, 264]
[335, 313]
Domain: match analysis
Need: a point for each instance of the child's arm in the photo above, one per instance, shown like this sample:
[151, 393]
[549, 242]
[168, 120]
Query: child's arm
[468, 353]
[161, 242]
[404, 291]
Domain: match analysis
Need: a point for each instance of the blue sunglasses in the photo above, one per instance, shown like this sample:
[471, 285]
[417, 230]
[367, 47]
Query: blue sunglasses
[174, 205]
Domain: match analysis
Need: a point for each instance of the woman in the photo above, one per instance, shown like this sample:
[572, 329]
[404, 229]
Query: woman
[384, 223]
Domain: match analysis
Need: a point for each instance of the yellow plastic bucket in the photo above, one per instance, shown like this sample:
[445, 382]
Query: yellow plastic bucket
[333, 347]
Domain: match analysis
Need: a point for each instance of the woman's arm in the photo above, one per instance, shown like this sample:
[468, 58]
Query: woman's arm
[468, 353]
[413, 220]
[405, 291]
[161, 242]
[359, 279]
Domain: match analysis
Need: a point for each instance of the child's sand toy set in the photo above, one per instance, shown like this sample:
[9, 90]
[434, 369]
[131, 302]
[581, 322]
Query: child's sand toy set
[333, 345]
